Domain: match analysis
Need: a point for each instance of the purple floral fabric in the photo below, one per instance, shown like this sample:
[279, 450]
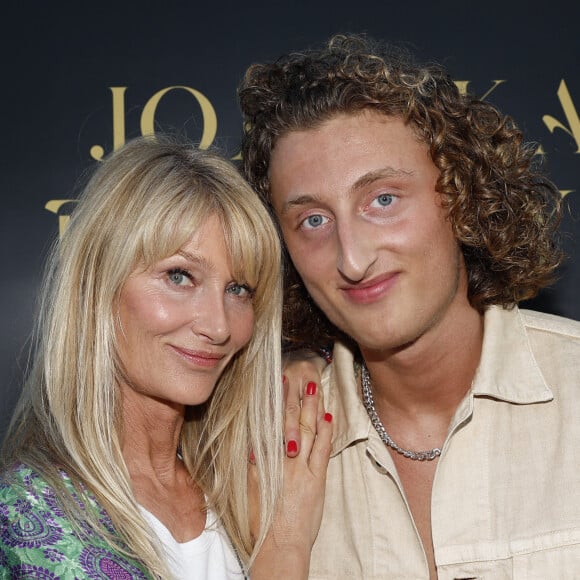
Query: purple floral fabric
[38, 541]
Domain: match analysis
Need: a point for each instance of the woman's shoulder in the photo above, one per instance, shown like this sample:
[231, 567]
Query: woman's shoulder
[23, 488]
[38, 539]
[17, 478]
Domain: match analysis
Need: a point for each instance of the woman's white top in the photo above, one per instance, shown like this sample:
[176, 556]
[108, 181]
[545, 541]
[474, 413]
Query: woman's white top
[210, 556]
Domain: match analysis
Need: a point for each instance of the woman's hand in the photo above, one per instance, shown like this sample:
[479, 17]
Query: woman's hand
[285, 552]
[301, 367]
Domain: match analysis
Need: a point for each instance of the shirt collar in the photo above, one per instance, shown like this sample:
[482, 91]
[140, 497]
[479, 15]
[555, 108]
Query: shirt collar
[507, 372]
[351, 422]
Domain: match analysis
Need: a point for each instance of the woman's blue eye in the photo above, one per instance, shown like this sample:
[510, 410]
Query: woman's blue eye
[314, 221]
[384, 199]
[240, 290]
[179, 277]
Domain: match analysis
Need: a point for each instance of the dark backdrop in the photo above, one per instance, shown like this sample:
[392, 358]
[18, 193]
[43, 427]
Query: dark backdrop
[77, 82]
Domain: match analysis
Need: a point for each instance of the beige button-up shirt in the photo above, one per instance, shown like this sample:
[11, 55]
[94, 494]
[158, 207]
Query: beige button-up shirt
[506, 494]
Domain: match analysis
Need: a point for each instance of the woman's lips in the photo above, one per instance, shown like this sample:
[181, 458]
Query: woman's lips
[199, 357]
[371, 290]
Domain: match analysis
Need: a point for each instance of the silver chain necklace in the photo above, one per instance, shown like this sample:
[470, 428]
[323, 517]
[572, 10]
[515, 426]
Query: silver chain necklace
[369, 404]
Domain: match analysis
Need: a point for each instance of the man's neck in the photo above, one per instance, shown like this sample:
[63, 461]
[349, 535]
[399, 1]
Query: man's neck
[431, 375]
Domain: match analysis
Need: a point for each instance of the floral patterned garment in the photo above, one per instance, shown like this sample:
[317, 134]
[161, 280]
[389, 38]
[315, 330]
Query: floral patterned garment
[38, 541]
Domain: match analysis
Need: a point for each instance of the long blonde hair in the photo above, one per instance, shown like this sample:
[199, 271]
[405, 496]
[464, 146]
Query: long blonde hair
[141, 205]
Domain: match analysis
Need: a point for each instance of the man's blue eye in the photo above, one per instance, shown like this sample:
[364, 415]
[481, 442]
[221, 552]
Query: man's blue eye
[314, 221]
[385, 199]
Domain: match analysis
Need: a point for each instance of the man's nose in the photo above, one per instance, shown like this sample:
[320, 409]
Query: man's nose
[356, 252]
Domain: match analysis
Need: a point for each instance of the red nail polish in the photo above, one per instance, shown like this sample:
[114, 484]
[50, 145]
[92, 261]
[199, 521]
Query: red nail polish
[284, 379]
[292, 446]
[328, 417]
[311, 388]
[252, 458]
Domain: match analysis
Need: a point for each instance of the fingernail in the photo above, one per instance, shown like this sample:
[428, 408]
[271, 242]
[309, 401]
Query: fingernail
[292, 446]
[284, 379]
[311, 388]
[252, 458]
[328, 417]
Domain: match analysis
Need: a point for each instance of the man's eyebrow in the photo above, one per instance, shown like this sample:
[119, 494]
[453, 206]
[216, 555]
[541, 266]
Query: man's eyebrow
[297, 202]
[385, 172]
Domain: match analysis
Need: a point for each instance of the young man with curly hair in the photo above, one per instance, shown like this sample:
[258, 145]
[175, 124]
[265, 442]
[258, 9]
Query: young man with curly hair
[415, 222]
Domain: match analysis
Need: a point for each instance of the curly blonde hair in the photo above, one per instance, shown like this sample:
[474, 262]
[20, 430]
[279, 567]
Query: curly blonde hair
[503, 211]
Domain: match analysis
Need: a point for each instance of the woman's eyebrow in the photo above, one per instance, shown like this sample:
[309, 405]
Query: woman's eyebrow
[196, 259]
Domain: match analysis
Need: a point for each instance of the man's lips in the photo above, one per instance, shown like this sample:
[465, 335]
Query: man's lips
[199, 357]
[371, 290]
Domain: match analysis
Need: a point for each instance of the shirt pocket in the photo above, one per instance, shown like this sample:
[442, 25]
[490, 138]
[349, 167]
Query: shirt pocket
[558, 563]
[551, 556]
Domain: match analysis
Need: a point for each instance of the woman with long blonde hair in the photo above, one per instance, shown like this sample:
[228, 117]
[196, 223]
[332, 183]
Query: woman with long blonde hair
[156, 374]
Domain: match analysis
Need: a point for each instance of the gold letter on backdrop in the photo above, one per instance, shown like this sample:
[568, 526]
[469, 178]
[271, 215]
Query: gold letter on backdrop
[54, 206]
[97, 151]
[148, 118]
[571, 115]
[207, 111]
[462, 86]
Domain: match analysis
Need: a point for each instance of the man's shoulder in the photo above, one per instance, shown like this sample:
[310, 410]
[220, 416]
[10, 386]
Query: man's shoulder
[555, 346]
[551, 324]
